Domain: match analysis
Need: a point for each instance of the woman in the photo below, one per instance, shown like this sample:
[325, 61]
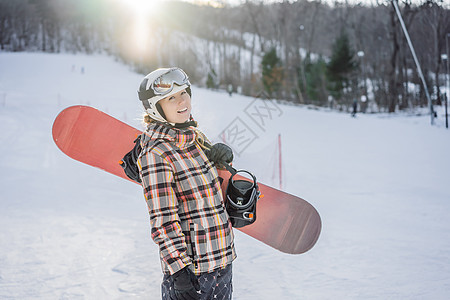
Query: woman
[182, 189]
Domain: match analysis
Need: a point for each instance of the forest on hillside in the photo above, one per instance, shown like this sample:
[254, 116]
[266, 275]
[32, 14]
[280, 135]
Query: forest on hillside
[308, 52]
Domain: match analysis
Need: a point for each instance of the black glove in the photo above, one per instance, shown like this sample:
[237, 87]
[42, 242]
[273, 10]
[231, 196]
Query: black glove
[220, 153]
[186, 285]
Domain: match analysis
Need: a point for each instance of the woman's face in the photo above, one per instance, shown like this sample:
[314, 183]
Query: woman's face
[177, 107]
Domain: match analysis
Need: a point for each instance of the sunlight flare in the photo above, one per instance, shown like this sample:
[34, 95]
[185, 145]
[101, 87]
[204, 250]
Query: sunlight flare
[142, 11]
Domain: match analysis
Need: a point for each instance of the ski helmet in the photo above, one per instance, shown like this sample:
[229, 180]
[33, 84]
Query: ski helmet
[159, 84]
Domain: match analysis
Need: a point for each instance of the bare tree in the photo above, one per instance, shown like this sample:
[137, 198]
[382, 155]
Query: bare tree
[437, 20]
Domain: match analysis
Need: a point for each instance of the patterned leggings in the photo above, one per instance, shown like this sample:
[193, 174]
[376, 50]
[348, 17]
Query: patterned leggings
[215, 285]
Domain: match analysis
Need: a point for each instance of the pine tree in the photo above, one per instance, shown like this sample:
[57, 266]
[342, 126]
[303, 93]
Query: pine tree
[341, 66]
[315, 81]
[211, 82]
[271, 72]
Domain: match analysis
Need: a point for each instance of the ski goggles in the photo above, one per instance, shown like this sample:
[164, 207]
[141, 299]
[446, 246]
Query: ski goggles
[164, 84]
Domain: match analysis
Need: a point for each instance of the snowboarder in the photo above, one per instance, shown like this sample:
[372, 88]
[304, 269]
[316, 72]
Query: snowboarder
[177, 167]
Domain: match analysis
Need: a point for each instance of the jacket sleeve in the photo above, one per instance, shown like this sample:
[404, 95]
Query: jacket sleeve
[157, 181]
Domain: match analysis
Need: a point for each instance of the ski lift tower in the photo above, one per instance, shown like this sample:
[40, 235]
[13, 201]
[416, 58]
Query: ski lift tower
[446, 57]
[419, 69]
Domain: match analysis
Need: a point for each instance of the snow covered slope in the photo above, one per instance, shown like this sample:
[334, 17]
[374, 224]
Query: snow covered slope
[70, 231]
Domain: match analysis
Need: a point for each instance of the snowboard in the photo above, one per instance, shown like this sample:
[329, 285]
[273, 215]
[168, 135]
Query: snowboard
[283, 221]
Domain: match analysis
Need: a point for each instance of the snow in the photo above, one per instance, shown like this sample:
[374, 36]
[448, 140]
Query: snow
[69, 231]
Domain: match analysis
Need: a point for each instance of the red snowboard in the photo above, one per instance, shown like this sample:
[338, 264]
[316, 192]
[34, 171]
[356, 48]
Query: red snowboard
[283, 221]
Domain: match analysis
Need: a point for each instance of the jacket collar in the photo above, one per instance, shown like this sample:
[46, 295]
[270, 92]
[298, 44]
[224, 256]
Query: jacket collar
[180, 137]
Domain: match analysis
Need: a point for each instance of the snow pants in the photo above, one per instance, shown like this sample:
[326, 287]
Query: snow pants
[214, 285]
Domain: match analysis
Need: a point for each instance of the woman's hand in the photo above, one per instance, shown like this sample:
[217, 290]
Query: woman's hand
[186, 285]
[220, 154]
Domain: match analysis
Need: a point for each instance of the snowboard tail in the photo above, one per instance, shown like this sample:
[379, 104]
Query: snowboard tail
[283, 221]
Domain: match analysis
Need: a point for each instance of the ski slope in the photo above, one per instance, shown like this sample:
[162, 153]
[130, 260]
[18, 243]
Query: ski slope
[70, 231]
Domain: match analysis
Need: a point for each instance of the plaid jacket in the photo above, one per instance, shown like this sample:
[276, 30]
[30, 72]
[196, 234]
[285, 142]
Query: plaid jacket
[182, 189]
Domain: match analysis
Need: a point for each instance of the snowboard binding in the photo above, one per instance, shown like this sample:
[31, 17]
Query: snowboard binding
[242, 196]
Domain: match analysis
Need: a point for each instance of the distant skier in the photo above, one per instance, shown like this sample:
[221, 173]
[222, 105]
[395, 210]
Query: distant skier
[355, 107]
[230, 90]
[182, 189]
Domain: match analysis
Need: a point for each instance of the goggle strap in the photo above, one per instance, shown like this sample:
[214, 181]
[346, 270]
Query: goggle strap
[143, 93]
[160, 110]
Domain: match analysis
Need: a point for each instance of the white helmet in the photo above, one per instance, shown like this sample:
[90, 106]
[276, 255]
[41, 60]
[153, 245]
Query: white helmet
[160, 84]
